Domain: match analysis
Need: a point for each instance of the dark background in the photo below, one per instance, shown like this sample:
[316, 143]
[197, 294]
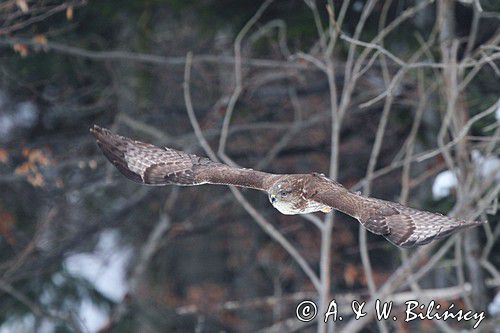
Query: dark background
[193, 259]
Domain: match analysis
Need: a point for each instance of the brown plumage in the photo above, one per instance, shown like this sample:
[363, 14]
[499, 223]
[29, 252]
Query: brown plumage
[290, 194]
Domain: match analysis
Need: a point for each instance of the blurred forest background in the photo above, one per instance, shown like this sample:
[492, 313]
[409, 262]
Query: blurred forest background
[397, 99]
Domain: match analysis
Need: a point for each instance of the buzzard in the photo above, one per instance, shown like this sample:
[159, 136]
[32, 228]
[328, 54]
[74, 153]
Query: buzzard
[289, 193]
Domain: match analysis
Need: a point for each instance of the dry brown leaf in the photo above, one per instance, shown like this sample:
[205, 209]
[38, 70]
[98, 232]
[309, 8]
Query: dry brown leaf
[4, 156]
[37, 156]
[350, 274]
[40, 40]
[22, 49]
[6, 223]
[69, 13]
[23, 169]
[36, 180]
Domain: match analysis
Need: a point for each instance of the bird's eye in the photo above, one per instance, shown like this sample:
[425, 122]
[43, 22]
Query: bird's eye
[283, 194]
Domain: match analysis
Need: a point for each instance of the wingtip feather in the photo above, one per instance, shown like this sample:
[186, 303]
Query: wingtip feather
[113, 146]
[95, 128]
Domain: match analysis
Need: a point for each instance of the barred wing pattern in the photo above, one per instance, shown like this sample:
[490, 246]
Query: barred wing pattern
[401, 225]
[423, 227]
[151, 165]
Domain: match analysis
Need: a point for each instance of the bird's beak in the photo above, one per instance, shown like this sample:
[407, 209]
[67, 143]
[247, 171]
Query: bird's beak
[272, 198]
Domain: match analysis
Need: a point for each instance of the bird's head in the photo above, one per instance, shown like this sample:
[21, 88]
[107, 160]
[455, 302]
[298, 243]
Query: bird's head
[282, 196]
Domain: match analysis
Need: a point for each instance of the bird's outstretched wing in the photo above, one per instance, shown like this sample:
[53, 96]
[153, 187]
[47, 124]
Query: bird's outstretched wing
[151, 165]
[401, 225]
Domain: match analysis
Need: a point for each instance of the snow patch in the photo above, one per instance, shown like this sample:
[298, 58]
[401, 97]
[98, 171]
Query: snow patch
[105, 268]
[22, 115]
[19, 324]
[92, 317]
[443, 184]
[486, 168]
[494, 306]
[26, 114]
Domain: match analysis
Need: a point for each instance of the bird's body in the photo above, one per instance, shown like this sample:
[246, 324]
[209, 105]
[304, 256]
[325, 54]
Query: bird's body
[290, 194]
[305, 207]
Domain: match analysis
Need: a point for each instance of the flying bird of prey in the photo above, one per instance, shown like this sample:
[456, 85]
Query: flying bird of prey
[289, 193]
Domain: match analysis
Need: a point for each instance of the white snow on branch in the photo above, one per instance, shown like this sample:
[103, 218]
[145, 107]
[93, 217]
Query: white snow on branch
[443, 184]
[487, 167]
[93, 318]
